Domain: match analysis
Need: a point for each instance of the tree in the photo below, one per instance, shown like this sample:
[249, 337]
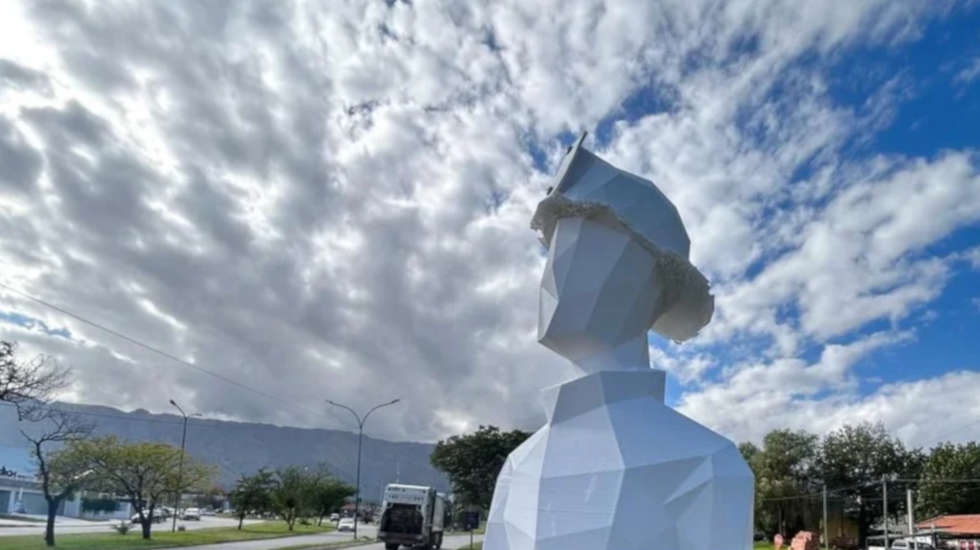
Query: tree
[31, 385]
[326, 493]
[290, 492]
[62, 471]
[783, 470]
[252, 494]
[855, 459]
[145, 473]
[949, 461]
[473, 461]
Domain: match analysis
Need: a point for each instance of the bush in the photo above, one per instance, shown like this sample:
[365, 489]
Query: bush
[122, 527]
[304, 521]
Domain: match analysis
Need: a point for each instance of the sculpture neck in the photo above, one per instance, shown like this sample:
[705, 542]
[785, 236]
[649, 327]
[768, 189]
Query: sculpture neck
[633, 354]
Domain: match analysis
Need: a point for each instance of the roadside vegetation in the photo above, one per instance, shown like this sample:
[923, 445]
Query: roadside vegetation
[133, 540]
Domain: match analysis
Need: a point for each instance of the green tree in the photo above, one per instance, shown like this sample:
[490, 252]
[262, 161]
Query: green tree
[62, 471]
[290, 493]
[855, 459]
[145, 473]
[950, 461]
[326, 493]
[784, 471]
[473, 461]
[252, 494]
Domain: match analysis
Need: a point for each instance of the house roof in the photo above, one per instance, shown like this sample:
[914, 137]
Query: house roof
[967, 524]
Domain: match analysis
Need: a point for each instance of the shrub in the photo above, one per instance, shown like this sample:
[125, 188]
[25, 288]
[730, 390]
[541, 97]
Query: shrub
[122, 527]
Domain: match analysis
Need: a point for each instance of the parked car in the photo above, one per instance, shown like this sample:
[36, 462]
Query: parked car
[157, 518]
[191, 514]
[335, 517]
[346, 524]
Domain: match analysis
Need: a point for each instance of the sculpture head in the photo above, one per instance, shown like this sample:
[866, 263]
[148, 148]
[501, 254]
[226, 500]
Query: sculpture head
[617, 267]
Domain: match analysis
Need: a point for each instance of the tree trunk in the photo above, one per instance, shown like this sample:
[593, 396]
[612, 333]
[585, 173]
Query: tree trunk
[862, 528]
[49, 529]
[146, 523]
[241, 520]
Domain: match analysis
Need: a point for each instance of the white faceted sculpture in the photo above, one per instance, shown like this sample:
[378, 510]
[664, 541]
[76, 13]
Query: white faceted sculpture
[614, 468]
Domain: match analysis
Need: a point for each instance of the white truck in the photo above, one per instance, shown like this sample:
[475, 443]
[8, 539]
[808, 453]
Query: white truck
[413, 516]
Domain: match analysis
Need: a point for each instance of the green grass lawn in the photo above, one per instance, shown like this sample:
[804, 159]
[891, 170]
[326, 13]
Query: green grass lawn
[161, 537]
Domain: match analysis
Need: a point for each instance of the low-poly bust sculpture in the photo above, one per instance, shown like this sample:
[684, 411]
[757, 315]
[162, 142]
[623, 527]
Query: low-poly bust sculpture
[614, 468]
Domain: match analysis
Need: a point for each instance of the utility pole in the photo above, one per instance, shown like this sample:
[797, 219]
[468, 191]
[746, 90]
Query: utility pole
[360, 437]
[826, 536]
[911, 517]
[180, 467]
[884, 506]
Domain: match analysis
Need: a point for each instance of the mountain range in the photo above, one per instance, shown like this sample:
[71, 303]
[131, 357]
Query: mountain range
[243, 447]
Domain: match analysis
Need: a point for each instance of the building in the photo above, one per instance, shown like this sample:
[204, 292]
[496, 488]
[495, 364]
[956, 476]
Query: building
[20, 494]
[961, 532]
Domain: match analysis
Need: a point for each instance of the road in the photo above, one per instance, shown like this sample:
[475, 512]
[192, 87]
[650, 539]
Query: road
[450, 543]
[75, 526]
[68, 526]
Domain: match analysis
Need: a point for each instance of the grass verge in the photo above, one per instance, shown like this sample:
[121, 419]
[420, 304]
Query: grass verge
[162, 538]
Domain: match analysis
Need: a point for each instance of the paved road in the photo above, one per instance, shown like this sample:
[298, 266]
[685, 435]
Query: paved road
[450, 543]
[67, 526]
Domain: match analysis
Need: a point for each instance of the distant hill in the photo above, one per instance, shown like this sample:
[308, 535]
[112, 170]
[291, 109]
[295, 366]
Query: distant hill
[242, 447]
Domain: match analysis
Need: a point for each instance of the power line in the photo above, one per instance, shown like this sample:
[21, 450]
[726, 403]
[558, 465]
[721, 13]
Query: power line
[148, 347]
[820, 493]
[872, 484]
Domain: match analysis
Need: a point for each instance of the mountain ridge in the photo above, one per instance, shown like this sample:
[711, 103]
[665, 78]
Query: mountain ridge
[239, 447]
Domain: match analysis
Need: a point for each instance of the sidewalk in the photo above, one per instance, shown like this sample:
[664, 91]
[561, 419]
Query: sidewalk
[38, 520]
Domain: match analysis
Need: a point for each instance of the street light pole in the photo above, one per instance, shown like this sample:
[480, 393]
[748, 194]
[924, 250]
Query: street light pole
[360, 437]
[180, 467]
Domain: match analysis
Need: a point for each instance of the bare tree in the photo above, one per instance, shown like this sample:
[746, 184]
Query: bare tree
[61, 468]
[30, 385]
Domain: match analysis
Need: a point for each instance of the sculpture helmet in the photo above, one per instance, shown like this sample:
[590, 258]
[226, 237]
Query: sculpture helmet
[588, 186]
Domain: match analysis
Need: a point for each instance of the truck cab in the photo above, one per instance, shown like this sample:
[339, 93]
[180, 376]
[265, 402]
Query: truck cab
[412, 516]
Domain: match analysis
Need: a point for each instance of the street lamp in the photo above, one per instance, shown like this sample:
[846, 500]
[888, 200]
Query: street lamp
[180, 467]
[360, 435]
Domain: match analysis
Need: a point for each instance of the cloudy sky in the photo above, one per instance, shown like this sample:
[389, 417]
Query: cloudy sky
[332, 200]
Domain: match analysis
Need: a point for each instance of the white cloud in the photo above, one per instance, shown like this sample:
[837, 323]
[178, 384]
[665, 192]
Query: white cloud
[790, 393]
[334, 202]
[970, 72]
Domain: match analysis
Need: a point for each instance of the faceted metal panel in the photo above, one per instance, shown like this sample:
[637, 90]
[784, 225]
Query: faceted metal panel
[614, 468]
[621, 471]
[636, 214]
